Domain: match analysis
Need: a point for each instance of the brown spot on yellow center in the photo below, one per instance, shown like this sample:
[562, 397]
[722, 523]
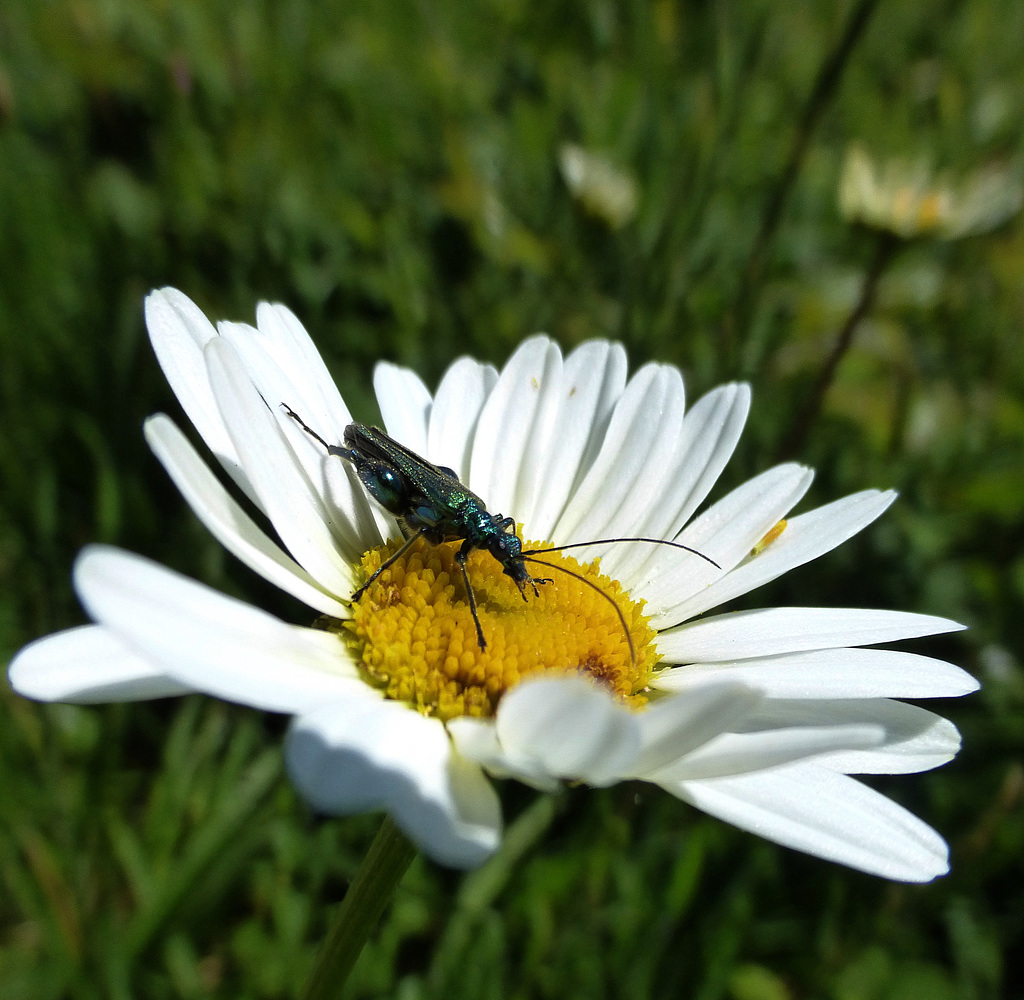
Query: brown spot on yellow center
[414, 636]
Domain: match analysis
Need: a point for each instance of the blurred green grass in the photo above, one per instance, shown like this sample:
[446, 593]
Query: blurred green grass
[391, 172]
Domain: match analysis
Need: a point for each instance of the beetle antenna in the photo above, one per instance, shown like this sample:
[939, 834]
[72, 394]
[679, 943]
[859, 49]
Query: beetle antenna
[606, 541]
[593, 586]
[302, 423]
[333, 450]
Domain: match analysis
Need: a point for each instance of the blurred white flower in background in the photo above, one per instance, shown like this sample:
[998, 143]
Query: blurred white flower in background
[906, 198]
[602, 188]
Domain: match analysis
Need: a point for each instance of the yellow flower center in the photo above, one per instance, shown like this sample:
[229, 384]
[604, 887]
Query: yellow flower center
[931, 211]
[413, 633]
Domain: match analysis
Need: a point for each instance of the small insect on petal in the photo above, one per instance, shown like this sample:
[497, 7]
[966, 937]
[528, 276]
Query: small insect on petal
[771, 536]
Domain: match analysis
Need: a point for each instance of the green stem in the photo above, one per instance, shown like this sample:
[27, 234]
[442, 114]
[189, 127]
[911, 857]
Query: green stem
[825, 86]
[382, 869]
[885, 250]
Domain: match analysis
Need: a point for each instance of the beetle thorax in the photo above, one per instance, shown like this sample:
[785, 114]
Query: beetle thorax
[479, 525]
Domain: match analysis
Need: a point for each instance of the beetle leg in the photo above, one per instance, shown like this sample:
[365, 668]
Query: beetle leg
[387, 562]
[460, 558]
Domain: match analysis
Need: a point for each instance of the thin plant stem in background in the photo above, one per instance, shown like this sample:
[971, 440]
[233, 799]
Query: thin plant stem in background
[357, 916]
[885, 249]
[825, 87]
[649, 280]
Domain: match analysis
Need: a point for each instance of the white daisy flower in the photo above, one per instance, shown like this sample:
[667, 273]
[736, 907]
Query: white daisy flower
[757, 717]
[910, 200]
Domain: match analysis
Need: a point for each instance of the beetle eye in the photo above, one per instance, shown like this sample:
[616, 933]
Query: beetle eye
[385, 486]
[504, 547]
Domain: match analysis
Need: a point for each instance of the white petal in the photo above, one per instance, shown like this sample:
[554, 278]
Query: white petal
[924, 753]
[770, 631]
[87, 665]
[831, 673]
[294, 356]
[283, 364]
[569, 728]
[228, 523]
[404, 403]
[477, 740]
[710, 432]
[593, 378]
[914, 738]
[358, 756]
[725, 532]
[179, 332]
[813, 809]
[458, 401]
[209, 641]
[632, 459]
[515, 428]
[745, 753]
[295, 509]
[805, 538]
[672, 727]
[282, 370]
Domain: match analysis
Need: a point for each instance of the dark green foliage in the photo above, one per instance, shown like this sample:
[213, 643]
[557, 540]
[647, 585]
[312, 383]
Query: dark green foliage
[391, 172]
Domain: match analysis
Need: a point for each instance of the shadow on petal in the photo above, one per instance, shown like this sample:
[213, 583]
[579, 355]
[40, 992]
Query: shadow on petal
[360, 756]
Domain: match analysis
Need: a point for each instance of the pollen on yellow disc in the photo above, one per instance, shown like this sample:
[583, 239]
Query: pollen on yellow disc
[413, 632]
